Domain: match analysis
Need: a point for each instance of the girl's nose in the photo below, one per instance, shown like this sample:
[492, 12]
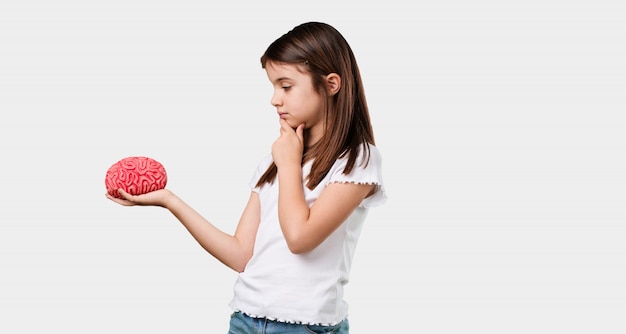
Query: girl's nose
[275, 101]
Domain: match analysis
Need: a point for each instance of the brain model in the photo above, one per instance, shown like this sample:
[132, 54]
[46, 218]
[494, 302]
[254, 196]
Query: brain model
[136, 176]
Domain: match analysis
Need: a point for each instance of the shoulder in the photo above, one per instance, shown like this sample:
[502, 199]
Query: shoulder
[368, 165]
[373, 155]
[261, 167]
[265, 162]
[368, 156]
[366, 170]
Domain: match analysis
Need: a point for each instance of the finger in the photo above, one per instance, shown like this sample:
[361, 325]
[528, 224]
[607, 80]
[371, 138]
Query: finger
[284, 126]
[126, 196]
[119, 200]
[300, 132]
[123, 193]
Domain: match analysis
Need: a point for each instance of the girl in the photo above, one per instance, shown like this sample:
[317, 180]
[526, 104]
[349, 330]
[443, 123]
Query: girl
[294, 243]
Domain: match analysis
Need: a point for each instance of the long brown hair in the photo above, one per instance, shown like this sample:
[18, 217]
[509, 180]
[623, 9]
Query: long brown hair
[320, 49]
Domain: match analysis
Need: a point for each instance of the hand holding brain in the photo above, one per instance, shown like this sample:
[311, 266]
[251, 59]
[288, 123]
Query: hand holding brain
[135, 175]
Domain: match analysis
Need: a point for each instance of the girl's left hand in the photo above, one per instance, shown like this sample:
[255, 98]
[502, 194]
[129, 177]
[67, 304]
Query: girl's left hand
[289, 146]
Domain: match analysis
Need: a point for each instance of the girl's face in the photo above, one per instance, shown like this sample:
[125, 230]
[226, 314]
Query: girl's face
[296, 99]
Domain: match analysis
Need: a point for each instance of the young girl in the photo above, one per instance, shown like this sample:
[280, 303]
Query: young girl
[294, 243]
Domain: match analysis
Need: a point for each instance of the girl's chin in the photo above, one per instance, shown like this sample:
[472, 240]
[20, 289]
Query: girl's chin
[293, 124]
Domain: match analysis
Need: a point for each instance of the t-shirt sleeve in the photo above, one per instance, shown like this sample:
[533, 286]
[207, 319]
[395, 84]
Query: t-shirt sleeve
[260, 170]
[363, 173]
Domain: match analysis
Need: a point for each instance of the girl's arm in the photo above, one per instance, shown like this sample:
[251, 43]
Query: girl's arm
[305, 228]
[233, 250]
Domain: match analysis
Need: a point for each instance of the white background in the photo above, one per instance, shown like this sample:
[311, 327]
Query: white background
[500, 122]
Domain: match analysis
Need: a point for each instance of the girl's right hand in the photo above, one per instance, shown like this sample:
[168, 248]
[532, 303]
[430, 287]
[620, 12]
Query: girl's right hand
[288, 147]
[153, 198]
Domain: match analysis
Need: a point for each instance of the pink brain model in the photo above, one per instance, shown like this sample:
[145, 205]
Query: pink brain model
[136, 176]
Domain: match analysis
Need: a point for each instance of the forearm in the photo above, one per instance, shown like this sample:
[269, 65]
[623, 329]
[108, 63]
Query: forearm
[224, 247]
[293, 211]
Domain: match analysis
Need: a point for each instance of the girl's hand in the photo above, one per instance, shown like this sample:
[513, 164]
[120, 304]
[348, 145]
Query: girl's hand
[154, 198]
[289, 146]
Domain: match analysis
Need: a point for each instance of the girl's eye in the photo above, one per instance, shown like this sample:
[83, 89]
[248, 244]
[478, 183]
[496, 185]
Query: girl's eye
[286, 87]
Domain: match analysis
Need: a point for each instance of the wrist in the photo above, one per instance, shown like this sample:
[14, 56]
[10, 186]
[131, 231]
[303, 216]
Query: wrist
[289, 169]
[169, 199]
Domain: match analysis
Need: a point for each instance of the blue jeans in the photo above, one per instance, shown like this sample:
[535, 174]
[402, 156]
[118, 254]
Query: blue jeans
[243, 324]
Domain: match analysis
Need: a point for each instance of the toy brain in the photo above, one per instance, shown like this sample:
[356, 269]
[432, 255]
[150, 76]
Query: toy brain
[136, 176]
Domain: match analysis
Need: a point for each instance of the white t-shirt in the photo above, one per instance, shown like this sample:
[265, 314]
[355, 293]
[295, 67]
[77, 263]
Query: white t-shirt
[304, 288]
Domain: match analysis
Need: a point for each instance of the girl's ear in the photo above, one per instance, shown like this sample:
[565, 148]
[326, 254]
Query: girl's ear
[333, 82]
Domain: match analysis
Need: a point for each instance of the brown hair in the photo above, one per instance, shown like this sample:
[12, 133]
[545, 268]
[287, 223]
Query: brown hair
[322, 50]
